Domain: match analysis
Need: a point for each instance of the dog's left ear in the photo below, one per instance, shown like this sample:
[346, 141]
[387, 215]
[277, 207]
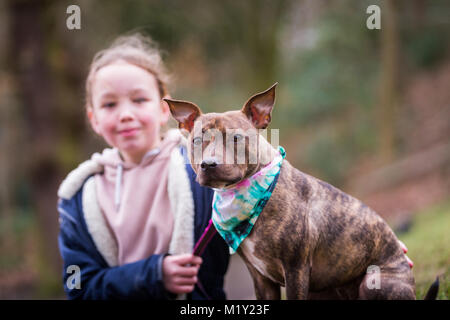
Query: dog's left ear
[184, 112]
[259, 107]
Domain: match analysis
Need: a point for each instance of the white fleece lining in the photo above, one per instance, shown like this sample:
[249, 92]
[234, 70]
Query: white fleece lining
[75, 179]
[182, 204]
[96, 224]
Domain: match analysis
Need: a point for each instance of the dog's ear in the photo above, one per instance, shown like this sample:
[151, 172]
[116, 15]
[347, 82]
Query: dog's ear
[259, 107]
[184, 112]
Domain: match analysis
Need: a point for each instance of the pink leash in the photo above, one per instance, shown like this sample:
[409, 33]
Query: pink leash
[206, 237]
[200, 247]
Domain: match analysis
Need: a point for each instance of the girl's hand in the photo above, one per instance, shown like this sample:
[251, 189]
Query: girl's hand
[180, 272]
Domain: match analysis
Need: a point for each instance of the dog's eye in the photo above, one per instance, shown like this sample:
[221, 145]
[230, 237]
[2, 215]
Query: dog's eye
[238, 137]
[197, 141]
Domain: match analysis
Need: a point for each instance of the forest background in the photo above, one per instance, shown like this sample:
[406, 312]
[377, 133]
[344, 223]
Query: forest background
[366, 110]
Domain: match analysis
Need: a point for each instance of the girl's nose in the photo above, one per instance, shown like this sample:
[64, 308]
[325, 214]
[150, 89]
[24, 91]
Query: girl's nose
[126, 114]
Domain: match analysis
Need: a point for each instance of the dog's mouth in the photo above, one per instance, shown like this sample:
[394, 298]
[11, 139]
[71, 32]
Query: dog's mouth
[214, 181]
[233, 182]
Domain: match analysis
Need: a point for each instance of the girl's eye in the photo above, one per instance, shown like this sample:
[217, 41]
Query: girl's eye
[140, 100]
[237, 137]
[197, 141]
[109, 104]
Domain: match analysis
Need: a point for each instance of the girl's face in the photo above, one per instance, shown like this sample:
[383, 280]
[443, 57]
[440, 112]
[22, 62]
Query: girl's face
[127, 109]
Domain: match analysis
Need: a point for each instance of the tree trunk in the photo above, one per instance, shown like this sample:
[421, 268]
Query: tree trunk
[33, 80]
[389, 81]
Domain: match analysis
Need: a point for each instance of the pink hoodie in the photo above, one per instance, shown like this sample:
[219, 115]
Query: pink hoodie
[135, 202]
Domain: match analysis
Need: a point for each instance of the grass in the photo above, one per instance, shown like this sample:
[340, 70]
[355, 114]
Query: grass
[428, 242]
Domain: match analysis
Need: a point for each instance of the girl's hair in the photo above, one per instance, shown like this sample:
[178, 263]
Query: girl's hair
[135, 49]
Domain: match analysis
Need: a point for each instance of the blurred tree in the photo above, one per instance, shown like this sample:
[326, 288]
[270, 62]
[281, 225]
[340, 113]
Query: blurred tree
[245, 34]
[35, 89]
[255, 29]
[8, 140]
[387, 107]
[329, 88]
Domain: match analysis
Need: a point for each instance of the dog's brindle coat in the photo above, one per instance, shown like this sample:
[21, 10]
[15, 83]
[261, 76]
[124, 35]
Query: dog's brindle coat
[311, 237]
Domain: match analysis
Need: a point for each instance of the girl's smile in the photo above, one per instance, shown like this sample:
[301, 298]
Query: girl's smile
[129, 132]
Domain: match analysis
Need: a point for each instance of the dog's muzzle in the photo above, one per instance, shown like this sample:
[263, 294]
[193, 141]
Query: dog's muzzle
[208, 164]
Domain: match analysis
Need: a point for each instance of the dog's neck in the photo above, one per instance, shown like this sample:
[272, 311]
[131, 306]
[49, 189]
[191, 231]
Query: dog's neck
[237, 208]
[266, 152]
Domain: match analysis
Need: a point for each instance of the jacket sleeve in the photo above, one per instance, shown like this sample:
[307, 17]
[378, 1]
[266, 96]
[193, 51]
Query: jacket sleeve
[86, 274]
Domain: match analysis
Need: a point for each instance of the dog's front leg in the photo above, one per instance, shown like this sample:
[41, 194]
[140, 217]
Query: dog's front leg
[297, 283]
[266, 289]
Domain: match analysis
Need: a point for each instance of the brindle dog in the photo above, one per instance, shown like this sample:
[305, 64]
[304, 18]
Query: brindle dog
[310, 237]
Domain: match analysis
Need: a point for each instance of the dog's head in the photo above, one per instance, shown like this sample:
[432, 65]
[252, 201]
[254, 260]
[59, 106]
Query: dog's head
[225, 148]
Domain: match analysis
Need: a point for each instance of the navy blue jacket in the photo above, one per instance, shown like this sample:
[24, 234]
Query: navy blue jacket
[141, 279]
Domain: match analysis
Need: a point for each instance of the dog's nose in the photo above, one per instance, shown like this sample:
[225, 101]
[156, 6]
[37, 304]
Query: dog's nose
[208, 163]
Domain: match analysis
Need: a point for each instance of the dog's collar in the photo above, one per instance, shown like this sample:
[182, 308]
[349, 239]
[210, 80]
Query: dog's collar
[236, 210]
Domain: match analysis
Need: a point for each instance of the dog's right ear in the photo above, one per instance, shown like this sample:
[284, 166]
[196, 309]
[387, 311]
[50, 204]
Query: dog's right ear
[259, 107]
[184, 112]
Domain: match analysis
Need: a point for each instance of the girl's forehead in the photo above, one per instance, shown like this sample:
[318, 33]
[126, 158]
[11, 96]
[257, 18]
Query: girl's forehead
[123, 76]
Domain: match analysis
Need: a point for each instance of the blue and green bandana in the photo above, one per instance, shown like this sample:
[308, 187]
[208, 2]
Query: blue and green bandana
[235, 210]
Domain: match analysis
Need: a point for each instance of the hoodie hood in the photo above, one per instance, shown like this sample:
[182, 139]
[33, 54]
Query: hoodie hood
[109, 158]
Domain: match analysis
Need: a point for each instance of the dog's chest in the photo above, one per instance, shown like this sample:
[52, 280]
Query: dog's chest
[267, 268]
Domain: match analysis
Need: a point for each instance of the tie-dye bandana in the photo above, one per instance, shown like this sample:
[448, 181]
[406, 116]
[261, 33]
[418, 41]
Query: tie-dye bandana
[235, 210]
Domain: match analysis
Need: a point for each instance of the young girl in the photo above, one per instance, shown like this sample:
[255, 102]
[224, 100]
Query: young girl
[130, 216]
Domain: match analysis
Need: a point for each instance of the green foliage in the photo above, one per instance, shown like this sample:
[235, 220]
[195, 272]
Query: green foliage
[324, 153]
[333, 85]
[426, 47]
[17, 231]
